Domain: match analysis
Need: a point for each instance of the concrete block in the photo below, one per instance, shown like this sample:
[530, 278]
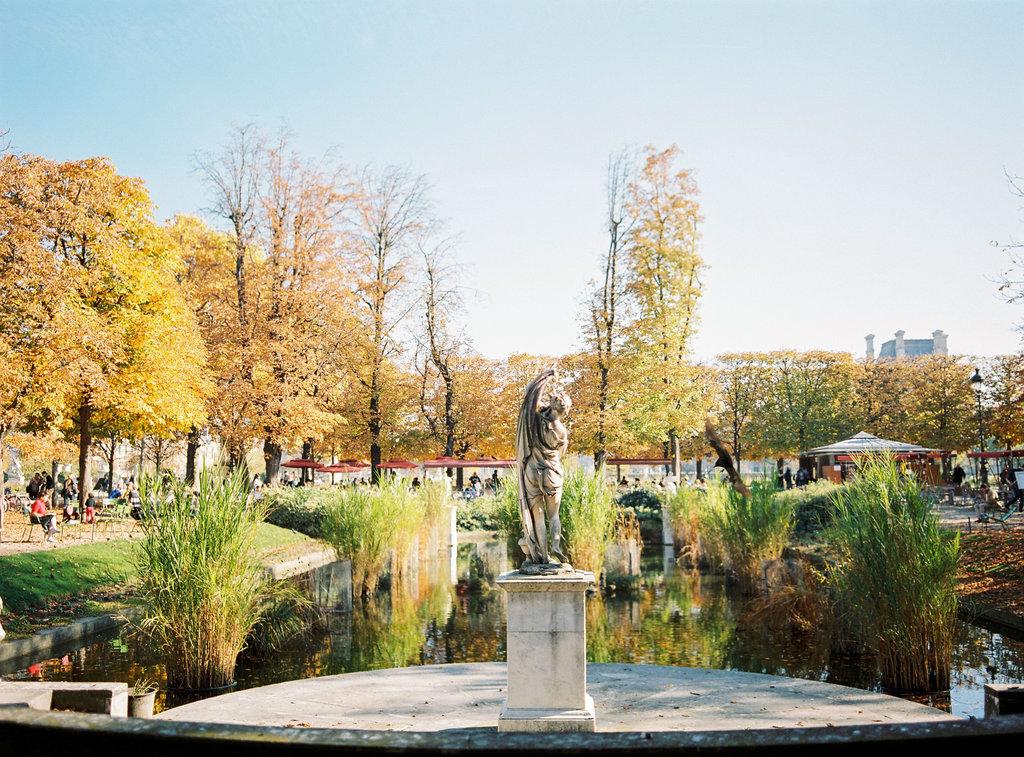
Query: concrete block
[103, 698]
[1004, 699]
[547, 653]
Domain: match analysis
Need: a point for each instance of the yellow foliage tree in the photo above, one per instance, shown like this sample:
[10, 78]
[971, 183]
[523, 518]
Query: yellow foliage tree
[664, 283]
[123, 339]
[278, 296]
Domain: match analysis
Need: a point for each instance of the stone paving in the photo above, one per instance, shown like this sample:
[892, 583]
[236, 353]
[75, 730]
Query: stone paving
[626, 698]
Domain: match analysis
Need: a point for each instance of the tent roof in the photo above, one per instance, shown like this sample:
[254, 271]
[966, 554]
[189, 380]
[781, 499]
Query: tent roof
[864, 442]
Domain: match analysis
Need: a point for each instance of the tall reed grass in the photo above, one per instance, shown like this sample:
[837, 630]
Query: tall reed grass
[588, 515]
[201, 578]
[741, 531]
[895, 578]
[684, 508]
[371, 527]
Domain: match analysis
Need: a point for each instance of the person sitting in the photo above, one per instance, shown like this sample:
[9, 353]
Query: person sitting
[70, 512]
[40, 515]
[136, 502]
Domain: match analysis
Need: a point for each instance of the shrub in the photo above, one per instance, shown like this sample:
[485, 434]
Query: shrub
[299, 509]
[477, 515]
[812, 506]
[895, 578]
[201, 578]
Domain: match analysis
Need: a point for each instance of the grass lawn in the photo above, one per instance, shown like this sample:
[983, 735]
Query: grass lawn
[55, 586]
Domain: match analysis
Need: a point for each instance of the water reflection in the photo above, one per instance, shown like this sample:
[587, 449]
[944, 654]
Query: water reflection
[431, 616]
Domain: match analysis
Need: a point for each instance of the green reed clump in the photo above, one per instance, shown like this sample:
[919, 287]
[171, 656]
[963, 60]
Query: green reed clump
[367, 527]
[895, 578]
[745, 531]
[588, 515]
[506, 508]
[201, 578]
[359, 531]
[684, 508]
[405, 511]
[434, 495]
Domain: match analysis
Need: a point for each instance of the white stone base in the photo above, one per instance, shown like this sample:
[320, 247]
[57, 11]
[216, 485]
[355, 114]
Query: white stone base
[539, 721]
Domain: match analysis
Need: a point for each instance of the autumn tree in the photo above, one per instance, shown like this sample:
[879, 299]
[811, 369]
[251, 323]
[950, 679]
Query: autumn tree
[942, 408]
[1005, 399]
[118, 324]
[392, 217]
[599, 416]
[30, 363]
[808, 399]
[457, 388]
[743, 380]
[280, 294]
[880, 389]
[665, 287]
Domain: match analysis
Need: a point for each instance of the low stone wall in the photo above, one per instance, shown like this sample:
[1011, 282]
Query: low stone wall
[53, 642]
[28, 733]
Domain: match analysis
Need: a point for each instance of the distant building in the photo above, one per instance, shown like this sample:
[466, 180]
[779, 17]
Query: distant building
[900, 348]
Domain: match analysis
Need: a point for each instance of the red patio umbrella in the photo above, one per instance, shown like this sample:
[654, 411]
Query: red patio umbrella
[398, 465]
[444, 462]
[343, 467]
[483, 462]
[301, 462]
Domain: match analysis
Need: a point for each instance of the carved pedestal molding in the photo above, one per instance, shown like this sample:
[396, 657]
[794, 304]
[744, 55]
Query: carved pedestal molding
[547, 653]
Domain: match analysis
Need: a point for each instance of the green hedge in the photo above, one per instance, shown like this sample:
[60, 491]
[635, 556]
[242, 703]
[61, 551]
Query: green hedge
[478, 514]
[297, 509]
[646, 505]
[813, 510]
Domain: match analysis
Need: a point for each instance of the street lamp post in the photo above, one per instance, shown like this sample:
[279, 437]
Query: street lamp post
[977, 384]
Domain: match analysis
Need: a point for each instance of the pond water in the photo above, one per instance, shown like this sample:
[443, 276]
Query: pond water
[677, 618]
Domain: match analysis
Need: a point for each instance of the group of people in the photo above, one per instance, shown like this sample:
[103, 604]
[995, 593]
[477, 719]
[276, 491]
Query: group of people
[41, 489]
[785, 479]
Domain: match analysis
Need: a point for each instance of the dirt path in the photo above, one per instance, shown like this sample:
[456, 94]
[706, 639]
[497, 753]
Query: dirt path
[11, 544]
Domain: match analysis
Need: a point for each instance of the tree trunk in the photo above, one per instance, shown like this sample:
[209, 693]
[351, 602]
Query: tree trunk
[375, 463]
[54, 467]
[459, 478]
[84, 446]
[307, 454]
[110, 465]
[142, 460]
[272, 458]
[191, 448]
[673, 439]
[600, 458]
[3, 484]
[700, 467]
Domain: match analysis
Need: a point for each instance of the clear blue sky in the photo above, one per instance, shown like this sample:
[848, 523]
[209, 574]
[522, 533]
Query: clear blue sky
[850, 155]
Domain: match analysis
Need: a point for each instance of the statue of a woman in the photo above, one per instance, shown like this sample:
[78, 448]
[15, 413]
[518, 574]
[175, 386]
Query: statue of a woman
[541, 440]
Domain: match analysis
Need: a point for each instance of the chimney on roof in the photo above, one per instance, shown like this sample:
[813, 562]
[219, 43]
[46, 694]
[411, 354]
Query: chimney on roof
[939, 342]
[900, 348]
[870, 339]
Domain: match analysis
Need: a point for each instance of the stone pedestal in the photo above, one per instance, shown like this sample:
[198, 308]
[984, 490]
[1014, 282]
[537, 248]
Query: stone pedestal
[547, 653]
